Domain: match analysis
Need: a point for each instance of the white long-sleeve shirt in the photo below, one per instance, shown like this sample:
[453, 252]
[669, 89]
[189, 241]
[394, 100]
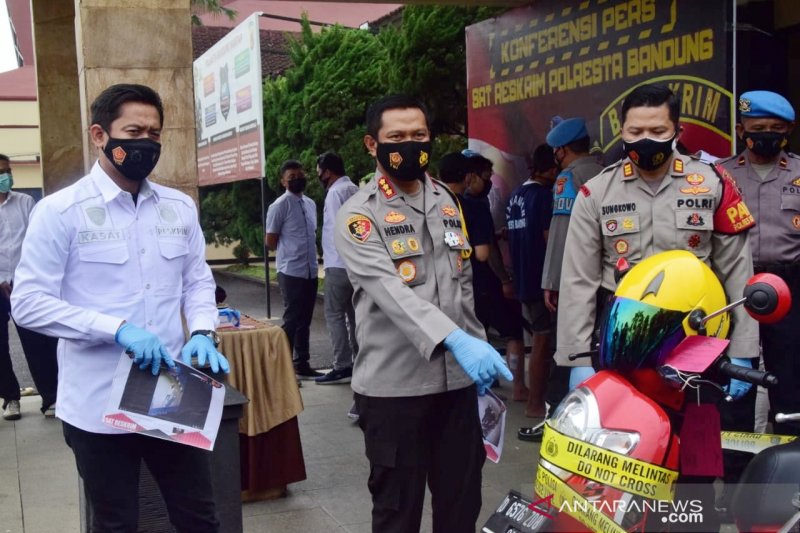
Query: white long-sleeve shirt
[14, 215]
[91, 259]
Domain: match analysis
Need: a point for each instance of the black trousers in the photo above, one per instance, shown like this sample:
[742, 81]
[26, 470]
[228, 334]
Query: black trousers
[781, 349]
[413, 440]
[109, 466]
[299, 297]
[40, 353]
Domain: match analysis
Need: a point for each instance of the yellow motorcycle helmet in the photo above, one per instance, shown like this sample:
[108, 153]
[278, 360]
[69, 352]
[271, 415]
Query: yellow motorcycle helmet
[649, 313]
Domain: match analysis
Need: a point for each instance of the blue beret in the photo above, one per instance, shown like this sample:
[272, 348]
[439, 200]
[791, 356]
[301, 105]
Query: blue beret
[765, 104]
[567, 131]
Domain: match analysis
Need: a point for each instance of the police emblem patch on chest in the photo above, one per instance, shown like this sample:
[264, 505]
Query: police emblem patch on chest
[359, 227]
[413, 244]
[695, 182]
[393, 217]
[97, 215]
[621, 246]
[398, 247]
[694, 241]
[695, 220]
[452, 239]
[611, 225]
[796, 181]
[407, 271]
[449, 211]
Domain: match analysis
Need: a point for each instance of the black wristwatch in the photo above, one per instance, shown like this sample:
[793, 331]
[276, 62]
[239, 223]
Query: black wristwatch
[210, 333]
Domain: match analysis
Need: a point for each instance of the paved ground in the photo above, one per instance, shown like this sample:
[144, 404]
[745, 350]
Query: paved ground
[39, 485]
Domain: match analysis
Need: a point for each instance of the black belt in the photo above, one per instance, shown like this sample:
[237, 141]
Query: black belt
[785, 270]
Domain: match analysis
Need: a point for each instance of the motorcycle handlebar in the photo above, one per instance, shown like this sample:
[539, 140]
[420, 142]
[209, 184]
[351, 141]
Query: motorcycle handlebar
[574, 356]
[787, 417]
[751, 375]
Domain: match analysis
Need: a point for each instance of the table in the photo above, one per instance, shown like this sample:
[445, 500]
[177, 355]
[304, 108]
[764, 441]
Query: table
[269, 437]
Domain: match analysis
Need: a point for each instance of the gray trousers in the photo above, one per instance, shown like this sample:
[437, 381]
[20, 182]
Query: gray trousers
[340, 316]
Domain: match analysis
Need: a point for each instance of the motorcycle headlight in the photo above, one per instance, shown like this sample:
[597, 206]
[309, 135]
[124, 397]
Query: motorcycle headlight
[578, 416]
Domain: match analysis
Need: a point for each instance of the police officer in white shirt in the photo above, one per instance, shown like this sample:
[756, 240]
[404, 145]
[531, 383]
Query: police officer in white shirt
[108, 265]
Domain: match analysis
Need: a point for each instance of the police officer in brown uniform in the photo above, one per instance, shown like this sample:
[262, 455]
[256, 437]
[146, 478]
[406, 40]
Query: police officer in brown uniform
[769, 179]
[421, 348]
[655, 200]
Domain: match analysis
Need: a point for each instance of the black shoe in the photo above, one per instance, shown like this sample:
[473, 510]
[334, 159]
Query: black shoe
[531, 434]
[304, 371]
[343, 375]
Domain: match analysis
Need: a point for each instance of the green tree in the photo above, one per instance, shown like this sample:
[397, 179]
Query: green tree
[427, 58]
[319, 104]
[209, 6]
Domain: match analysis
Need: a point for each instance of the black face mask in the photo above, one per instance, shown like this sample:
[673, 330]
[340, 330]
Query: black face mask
[134, 158]
[405, 161]
[297, 185]
[765, 143]
[648, 154]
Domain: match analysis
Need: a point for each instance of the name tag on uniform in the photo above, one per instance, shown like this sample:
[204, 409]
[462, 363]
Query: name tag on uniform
[100, 236]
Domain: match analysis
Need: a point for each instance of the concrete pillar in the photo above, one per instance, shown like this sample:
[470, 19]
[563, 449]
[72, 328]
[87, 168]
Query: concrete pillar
[59, 98]
[122, 41]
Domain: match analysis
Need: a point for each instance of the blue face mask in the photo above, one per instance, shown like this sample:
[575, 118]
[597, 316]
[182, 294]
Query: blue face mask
[6, 182]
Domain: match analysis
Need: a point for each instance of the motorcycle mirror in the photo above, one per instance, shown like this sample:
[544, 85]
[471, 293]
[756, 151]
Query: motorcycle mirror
[767, 298]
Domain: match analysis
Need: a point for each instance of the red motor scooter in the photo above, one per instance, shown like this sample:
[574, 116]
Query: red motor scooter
[612, 452]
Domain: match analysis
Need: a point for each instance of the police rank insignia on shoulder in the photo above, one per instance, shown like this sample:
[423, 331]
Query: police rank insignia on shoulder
[386, 188]
[627, 170]
[449, 211]
[393, 217]
[359, 227]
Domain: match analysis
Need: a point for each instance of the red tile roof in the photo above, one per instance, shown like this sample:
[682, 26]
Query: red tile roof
[274, 47]
[350, 14]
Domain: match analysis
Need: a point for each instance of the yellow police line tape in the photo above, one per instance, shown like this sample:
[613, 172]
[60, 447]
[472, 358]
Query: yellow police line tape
[579, 507]
[609, 468]
[752, 442]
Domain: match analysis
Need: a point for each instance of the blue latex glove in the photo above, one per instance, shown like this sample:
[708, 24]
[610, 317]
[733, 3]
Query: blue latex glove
[145, 347]
[579, 374]
[478, 358]
[202, 347]
[736, 389]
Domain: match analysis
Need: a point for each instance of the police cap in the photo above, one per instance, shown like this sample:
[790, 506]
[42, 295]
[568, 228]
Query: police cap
[567, 131]
[754, 104]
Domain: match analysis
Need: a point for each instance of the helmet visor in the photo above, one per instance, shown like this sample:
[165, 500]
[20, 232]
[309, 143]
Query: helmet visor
[638, 335]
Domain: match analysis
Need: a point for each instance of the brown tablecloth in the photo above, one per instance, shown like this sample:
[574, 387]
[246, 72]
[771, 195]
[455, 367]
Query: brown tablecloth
[261, 368]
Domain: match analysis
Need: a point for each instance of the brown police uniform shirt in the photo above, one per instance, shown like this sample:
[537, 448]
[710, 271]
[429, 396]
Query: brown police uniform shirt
[412, 287]
[774, 201]
[617, 215]
[579, 172]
